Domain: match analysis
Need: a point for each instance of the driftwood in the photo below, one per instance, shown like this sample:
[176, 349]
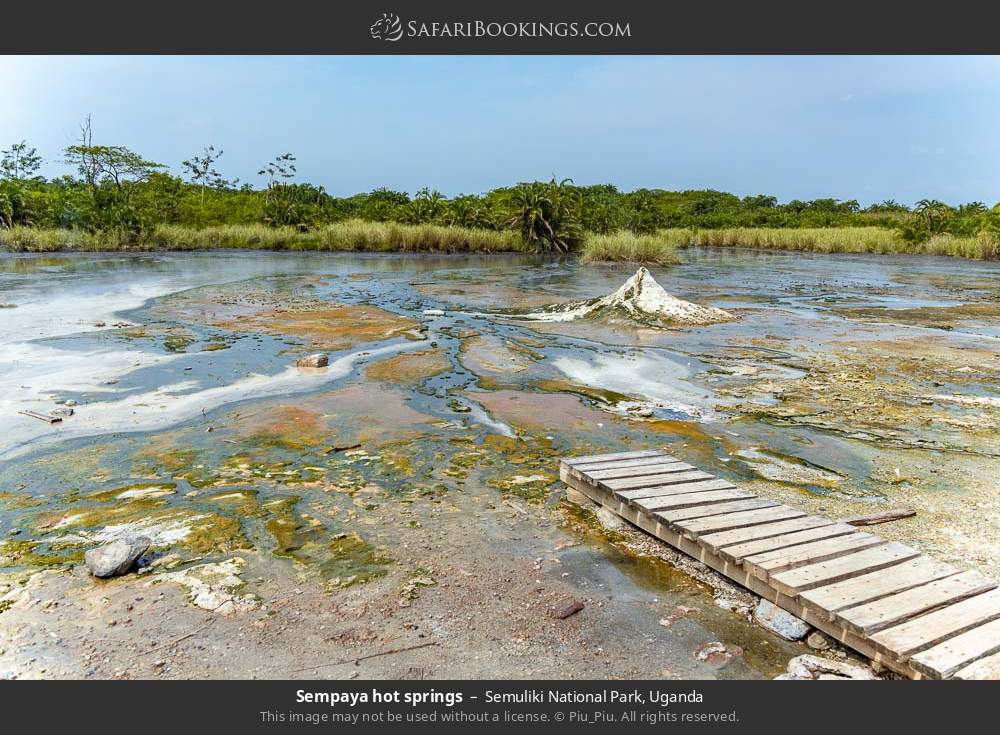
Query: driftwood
[42, 417]
[358, 659]
[331, 450]
[884, 517]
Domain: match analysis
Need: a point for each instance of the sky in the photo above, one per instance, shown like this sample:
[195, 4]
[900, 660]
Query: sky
[796, 127]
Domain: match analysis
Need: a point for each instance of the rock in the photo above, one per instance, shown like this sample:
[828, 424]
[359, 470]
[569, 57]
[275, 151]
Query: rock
[808, 667]
[318, 360]
[571, 607]
[818, 641]
[610, 520]
[734, 604]
[575, 496]
[433, 312]
[116, 557]
[780, 621]
[717, 653]
[64, 411]
[69, 402]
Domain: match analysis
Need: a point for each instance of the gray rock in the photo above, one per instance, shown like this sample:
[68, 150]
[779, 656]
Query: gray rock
[780, 622]
[317, 360]
[65, 411]
[818, 641]
[116, 557]
[808, 667]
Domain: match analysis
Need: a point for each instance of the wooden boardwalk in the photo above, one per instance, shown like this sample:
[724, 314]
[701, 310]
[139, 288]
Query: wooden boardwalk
[918, 616]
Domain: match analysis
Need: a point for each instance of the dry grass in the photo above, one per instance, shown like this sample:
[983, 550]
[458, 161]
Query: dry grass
[879, 240]
[357, 235]
[815, 240]
[658, 249]
[353, 235]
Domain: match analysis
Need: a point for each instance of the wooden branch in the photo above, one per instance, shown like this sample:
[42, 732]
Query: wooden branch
[362, 658]
[884, 517]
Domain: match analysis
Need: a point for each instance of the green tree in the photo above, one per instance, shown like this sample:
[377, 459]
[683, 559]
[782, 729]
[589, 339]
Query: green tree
[546, 214]
[202, 172]
[19, 161]
[112, 175]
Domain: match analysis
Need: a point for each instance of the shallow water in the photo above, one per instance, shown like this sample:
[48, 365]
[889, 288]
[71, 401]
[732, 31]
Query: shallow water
[189, 387]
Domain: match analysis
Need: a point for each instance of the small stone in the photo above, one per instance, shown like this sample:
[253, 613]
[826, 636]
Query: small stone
[717, 653]
[818, 641]
[116, 557]
[64, 411]
[318, 360]
[69, 402]
[781, 622]
[571, 607]
[14, 531]
[808, 667]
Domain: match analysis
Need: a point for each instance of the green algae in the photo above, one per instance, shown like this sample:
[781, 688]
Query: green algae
[177, 342]
[418, 579]
[19, 501]
[601, 395]
[351, 561]
[137, 490]
[36, 555]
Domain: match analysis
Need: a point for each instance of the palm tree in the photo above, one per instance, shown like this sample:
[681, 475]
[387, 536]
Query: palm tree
[933, 211]
[545, 214]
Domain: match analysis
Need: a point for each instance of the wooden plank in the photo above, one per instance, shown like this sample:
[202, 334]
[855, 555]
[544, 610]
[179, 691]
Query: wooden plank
[716, 541]
[944, 659]
[670, 478]
[593, 458]
[684, 500]
[771, 562]
[869, 587]
[694, 486]
[42, 416]
[652, 525]
[703, 511]
[795, 581]
[925, 631]
[736, 552]
[623, 463]
[874, 616]
[652, 469]
[714, 524]
[985, 669]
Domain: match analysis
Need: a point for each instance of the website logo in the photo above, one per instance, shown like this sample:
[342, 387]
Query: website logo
[387, 28]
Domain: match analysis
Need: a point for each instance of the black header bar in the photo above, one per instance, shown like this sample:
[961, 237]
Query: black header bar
[509, 27]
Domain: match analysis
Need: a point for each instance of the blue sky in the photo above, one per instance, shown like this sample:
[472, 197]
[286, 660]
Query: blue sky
[869, 128]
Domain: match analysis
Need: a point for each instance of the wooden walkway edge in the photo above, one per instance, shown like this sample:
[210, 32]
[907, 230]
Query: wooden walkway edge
[918, 616]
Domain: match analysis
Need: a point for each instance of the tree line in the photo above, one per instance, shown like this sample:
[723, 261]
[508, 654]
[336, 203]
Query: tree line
[112, 188]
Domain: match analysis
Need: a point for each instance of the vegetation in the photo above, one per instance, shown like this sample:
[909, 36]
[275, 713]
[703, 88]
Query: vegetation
[658, 249]
[354, 235]
[116, 198]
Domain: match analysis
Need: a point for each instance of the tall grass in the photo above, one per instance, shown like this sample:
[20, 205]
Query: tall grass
[879, 240]
[816, 240]
[658, 249]
[353, 235]
[361, 236]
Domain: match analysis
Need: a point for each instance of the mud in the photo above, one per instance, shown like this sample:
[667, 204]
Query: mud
[409, 493]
